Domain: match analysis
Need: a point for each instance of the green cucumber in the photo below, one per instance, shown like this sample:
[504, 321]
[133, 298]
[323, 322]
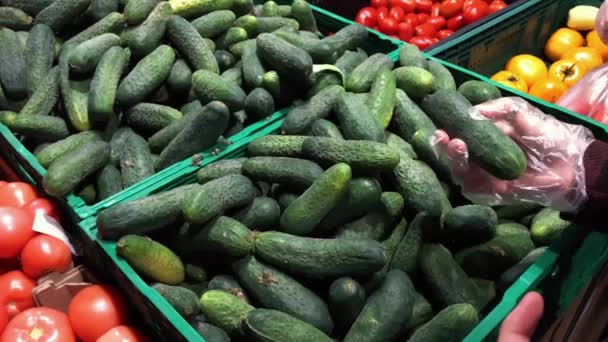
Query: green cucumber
[183, 300]
[347, 38]
[229, 284]
[116, 144]
[302, 12]
[259, 104]
[423, 143]
[99, 9]
[346, 300]
[210, 332]
[277, 146]
[250, 24]
[291, 172]
[361, 79]
[469, 224]
[147, 36]
[451, 324]
[253, 70]
[355, 120]
[43, 100]
[262, 214]
[408, 118]
[136, 12]
[109, 181]
[301, 117]
[135, 160]
[13, 76]
[382, 97]
[85, 57]
[194, 8]
[547, 226]
[410, 55]
[219, 169]
[242, 7]
[224, 310]
[270, 9]
[47, 155]
[225, 60]
[152, 259]
[406, 253]
[232, 36]
[414, 81]
[289, 61]
[42, 127]
[209, 86]
[234, 75]
[319, 50]
[422, 312]
[224, 236]
[75, 95]
[112, 23]
[350, 60]
[104, 85]
[61, 13]
[403, 147]
[149, 118]
[325, 128]
[31, 7]
[323, 80]
[272, 325]
[39, 55]
[195, 273]
[266, 25]
[215, 23]
[479, 92]
[191, 45]
[442, 77]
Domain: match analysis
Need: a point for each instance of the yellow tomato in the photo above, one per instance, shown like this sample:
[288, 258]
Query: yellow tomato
[511, 80]
[594, 41]
[548, 89]
[561, 41]
[568, 71]
[529, 68]
[586, 55]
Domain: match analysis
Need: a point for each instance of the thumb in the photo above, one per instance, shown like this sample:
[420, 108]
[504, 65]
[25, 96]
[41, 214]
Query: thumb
[521, 323]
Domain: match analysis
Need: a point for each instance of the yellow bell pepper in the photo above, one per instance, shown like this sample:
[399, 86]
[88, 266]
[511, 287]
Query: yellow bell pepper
[582, 18]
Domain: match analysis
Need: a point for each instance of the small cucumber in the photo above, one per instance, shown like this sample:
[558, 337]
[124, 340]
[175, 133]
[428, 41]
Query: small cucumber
[408, 118]
[242, 7]
[410, 55]
[469, 224]
[291, 172]
[151, 259]
[414, 81]
[479, 92]
[183, 300]
[180, 78]
[382, 97]
[99, 9]
[39, 55]
[301, 117]
[109, 182]
[85, 57]
[42, 127]
[325, 128]
[189, 9]
[302, 12]
[225, 60]
[215, 23]
[547, 226]
[355, 120]
[13, 75]
[259, 104]
[422, 142]
[249, 23]
[61, 12]
[451, 324]
[361, 79]
[262, 214]
[135, 160]
[191, 45]
[149, 118]
[209, 86]
[350, 60]
[47, 155]
[232, 36]
[253, 70]
[224, 236]
[147, 36]
[229, 284]
[289, 61]
[406, 253]
[442, 77]
[277, 146]
[111, 23]
[43, 100]
[219, 169]
[136, 12]
[266, 25]
[319, 50]
[102, 95]
[274, 325]
[347, 38]
[270, 9]
[224, 310]
[346, 300]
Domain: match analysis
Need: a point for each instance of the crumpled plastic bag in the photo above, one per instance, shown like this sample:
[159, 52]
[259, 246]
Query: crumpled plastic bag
[601, 22]
[555, 175]
[589, 96]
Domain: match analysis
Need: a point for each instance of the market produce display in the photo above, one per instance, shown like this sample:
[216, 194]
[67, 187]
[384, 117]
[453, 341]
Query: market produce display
[347, 224]
[425, 22]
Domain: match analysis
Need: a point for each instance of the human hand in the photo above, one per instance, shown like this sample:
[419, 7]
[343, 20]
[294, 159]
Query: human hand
[520, 324]
[555, 173]
[601, 22]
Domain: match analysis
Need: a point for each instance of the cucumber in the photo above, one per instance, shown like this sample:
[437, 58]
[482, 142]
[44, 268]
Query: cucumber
[215, 23]
[225, 60]
[403, 147]
[355, 121]
[104, 85]
[136, 12]
[517, 211]
[9, 104]
[451, 324]
[422, 312]
[301, 117]
[350, 60]
[71, 168]
[135, 160]
[286, 198]
[320, 51]
[346, 300]
[109, 182]
[250, 24]
[242, 7]
[149, 118]
[224, 310]
[414, 81]
[87, 193]
[469, 224]
[273, 325]
[224, 236]
[39, 55]
[510, 228]
[232, 36]
[99, 9]
[61, 13]
[442, 77]
[347, 38]
[277, 146]
[447, 281]
[12, 65]
[84, 57]
[270, 9]
[143, 215]
[487, 144]
[263, 213]
[31, 7]
[147, 36]
[547, 226]
[195, 273]
[367, 156]
[274, 289]
[43, 100]
[116, 144]
[210, 332]
[305, 213]
[112, 23]
[382, 97]
[280, 89]
[422, 142]
[302, 12]
[410, 55]
[323, 80]
[253, 70]
[266, 25]
[151, 259]
[479, 92]
[47, 155]
[75, 95]
[289, 61]
[386, 310]
[191, 45]
[211, 87]
[219, 169]
[511, 275]
[217, 196]
[146, 76]
[42, 127]
[409, 118]
[325, 128]
[229, 284]
[234, 75]
[200, 133]
[292, 172]
[259, 104]
[194, 8]
[183, 300]
[406, 252]
[361, 79]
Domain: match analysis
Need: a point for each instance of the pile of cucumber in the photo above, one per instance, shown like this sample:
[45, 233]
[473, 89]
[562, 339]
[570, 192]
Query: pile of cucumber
[346, 226]
[108, 92]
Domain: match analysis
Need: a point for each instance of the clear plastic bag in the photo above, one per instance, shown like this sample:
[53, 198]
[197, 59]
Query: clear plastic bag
[601, 22]
[589, 96]
[555, 176]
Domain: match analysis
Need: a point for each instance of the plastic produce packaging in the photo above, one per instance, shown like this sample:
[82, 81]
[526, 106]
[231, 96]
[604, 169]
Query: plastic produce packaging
[590, 95]
[601, 22]
[555, 176]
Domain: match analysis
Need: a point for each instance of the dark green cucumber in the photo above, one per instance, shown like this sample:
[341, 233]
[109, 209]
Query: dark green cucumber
[414, 81]
[42, 127]
[447, 281]
[31, 7]
[43, 100]
[259, 104]
[151, 259]
[408, 118]
[403, 147]
[71, 168]
[149, 118]
[88, 193]
[262, 214]
[209, 86]
[291, 172]
[348, 38]
[350, 60]
[234, 75]
[271, 24]
[136, 12]
[422, 142]
[210, 332]
[286, 198]
[284, 94]
[325, 128]
[84, 57]
[382, 97]
[146, 76]
[355, 121]
[323, 80]
[406, 253]
[75, 94]
[112, 23]
[147, 36]
[229, 284]
[39, 55]
[487, 144]
[47, 155]
[61, 13]
[302, 12]
[189, 9]
[190, 44]
[547, 226]
[143, 215]
[220, 169]
[451, 324]
[135, 160]
[13, 76]
[215, 23]
[102, 94]
[511, 275]
[275, 326]
[196, 273]
[469, 224]
[301, 117]
[225, 60]
[242, 7]
[253, 70]
[367, 156]
[109, 182]
[277, 146]
[422, 312]
[319, 50]
[479, 92]
[305, 213]
[183, 300]
[410, 55]
[99, 9]
[289, 61]
[224, 310]
[361, 79]
[274, 289]
[216, 196]
[517, 211]
[346, 300]
[10, 104]
[232, 36]
[116, 144]
[386, 310]
[442, 77]
[224, 236]
[201, 132]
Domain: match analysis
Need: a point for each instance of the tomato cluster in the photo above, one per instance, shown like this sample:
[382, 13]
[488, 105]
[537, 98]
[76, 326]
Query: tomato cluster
[424, 22]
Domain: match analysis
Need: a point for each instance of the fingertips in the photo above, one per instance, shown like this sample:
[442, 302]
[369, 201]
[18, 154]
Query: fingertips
[506, 128]
[441, 136]
[522, 321]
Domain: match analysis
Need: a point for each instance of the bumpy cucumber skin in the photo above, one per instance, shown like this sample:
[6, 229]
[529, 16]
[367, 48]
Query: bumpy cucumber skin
[262, 214]
[443, 78]
[214, 23]
[109, 182]
[452, 324]
[43, 100]
[225, 236]
[135, 160]
[410, 55]
[291, 172]
[183, 300]
[149, 118]
[325, 128]
[189, 43]
[224, 310]
[253, 70]
[48, 154]
[408, 118]
[147, 36]
[361, 79]
[259, 103]
[277, 146]
[220, 169]
[86, 56]
[45, 128]
[136, 12]
[209, 86]
[355, 121]
[289, 61]
[273, 325]
[102, 95]
[112, 23]
[301, 117]
[14, 18]
[61, 12]
[39, 55]
[12, 65]
[151, 258]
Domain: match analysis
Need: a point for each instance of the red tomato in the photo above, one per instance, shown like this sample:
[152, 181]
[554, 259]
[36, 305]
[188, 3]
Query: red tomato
[407, 5]
[435, 10]
[411, 18]
[123, 333]
[44, 206]
[496, 5]
[39, 325]
[15, 230]
[17, 194]
[381, 14]
[3, 183]
[456, 22]
[367, 16]
[475, 12]
[468, 3]
[379, 3]
[16, 292]
[450, 8]
[425, 30]
[397, 13]
[406, 31]
[443, 34]
[424, 6]
[388, 26]
[422, 18]
[95, 310]
[3, 320]
[421, 42]
[437, 22]
[44, 254]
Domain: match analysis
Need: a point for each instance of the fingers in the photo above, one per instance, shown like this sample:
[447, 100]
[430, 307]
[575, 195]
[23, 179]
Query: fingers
[495, 110]
[458, 154]
[521, 323]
